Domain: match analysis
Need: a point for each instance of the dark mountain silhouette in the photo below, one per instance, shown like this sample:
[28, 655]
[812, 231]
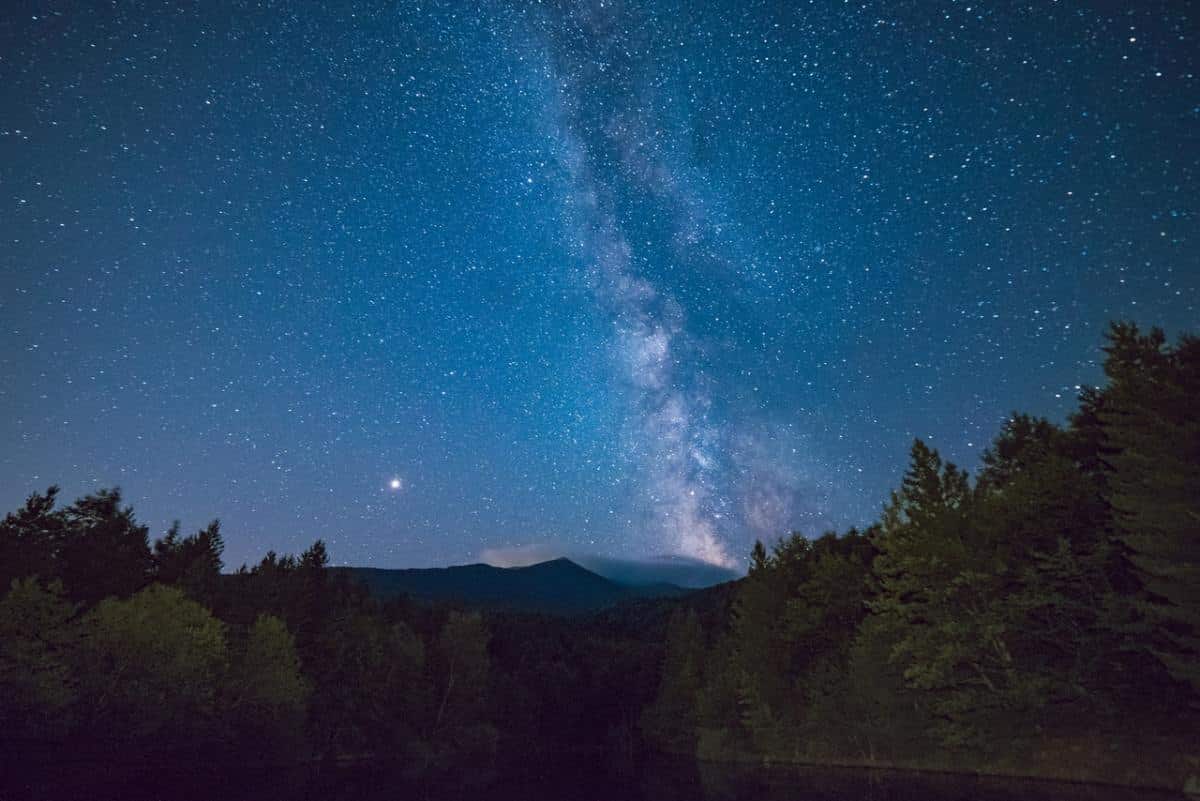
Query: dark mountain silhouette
[676, 569]
[559, 586]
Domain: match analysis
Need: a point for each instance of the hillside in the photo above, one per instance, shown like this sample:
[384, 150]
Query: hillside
[559, 586]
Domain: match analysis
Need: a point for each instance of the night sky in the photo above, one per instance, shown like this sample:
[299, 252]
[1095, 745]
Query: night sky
[434, 281]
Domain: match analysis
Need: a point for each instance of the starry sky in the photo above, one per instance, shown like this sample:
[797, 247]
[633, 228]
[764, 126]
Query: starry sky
[441, 280]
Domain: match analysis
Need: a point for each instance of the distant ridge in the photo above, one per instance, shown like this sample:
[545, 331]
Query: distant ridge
[558, 586]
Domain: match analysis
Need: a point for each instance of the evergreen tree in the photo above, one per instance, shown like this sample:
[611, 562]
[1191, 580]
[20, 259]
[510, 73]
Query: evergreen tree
[37, 686]
[938, 582]
[105, 552]
[192, 563]
[1044, 518]
[31, 539]
[759, 665]
[1151, 441]
[758, 557]
[671, 720]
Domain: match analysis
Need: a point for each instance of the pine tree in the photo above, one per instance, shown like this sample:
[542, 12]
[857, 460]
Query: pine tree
[37, 686]
[193, 563]
[671, 720]
[105, 552]
[1151, 440]
[937, 596]
[31, 540]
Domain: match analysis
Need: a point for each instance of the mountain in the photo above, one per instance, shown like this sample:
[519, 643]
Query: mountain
[683, 571]
[558, 586]
[674, 569]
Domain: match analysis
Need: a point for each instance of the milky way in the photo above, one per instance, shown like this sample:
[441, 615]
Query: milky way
[619, 278]
[669, 432]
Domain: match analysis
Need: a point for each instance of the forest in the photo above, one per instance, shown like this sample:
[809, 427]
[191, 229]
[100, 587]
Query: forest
[1041, 617]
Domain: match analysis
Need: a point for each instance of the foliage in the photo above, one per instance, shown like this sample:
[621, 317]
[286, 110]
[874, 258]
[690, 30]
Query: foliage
[266, 693]
[31, 539]
[106, 553]
[150, 663]
[460, 670]
[1056, 597]
[1151, 446]
[192, 563]
[1049, 606]
[671, 719]
[37, 687]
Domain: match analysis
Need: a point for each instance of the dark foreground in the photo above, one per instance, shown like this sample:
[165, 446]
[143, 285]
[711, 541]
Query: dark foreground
[657, 779]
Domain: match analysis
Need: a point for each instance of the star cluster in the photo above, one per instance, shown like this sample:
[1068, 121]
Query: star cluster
[429, 279]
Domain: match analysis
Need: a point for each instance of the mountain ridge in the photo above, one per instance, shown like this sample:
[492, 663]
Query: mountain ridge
[555, 586]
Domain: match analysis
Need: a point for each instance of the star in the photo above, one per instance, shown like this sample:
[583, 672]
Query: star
[687, 284]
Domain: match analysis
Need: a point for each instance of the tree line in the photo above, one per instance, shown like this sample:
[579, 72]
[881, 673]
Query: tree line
[1043, 617]
[116, 647]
